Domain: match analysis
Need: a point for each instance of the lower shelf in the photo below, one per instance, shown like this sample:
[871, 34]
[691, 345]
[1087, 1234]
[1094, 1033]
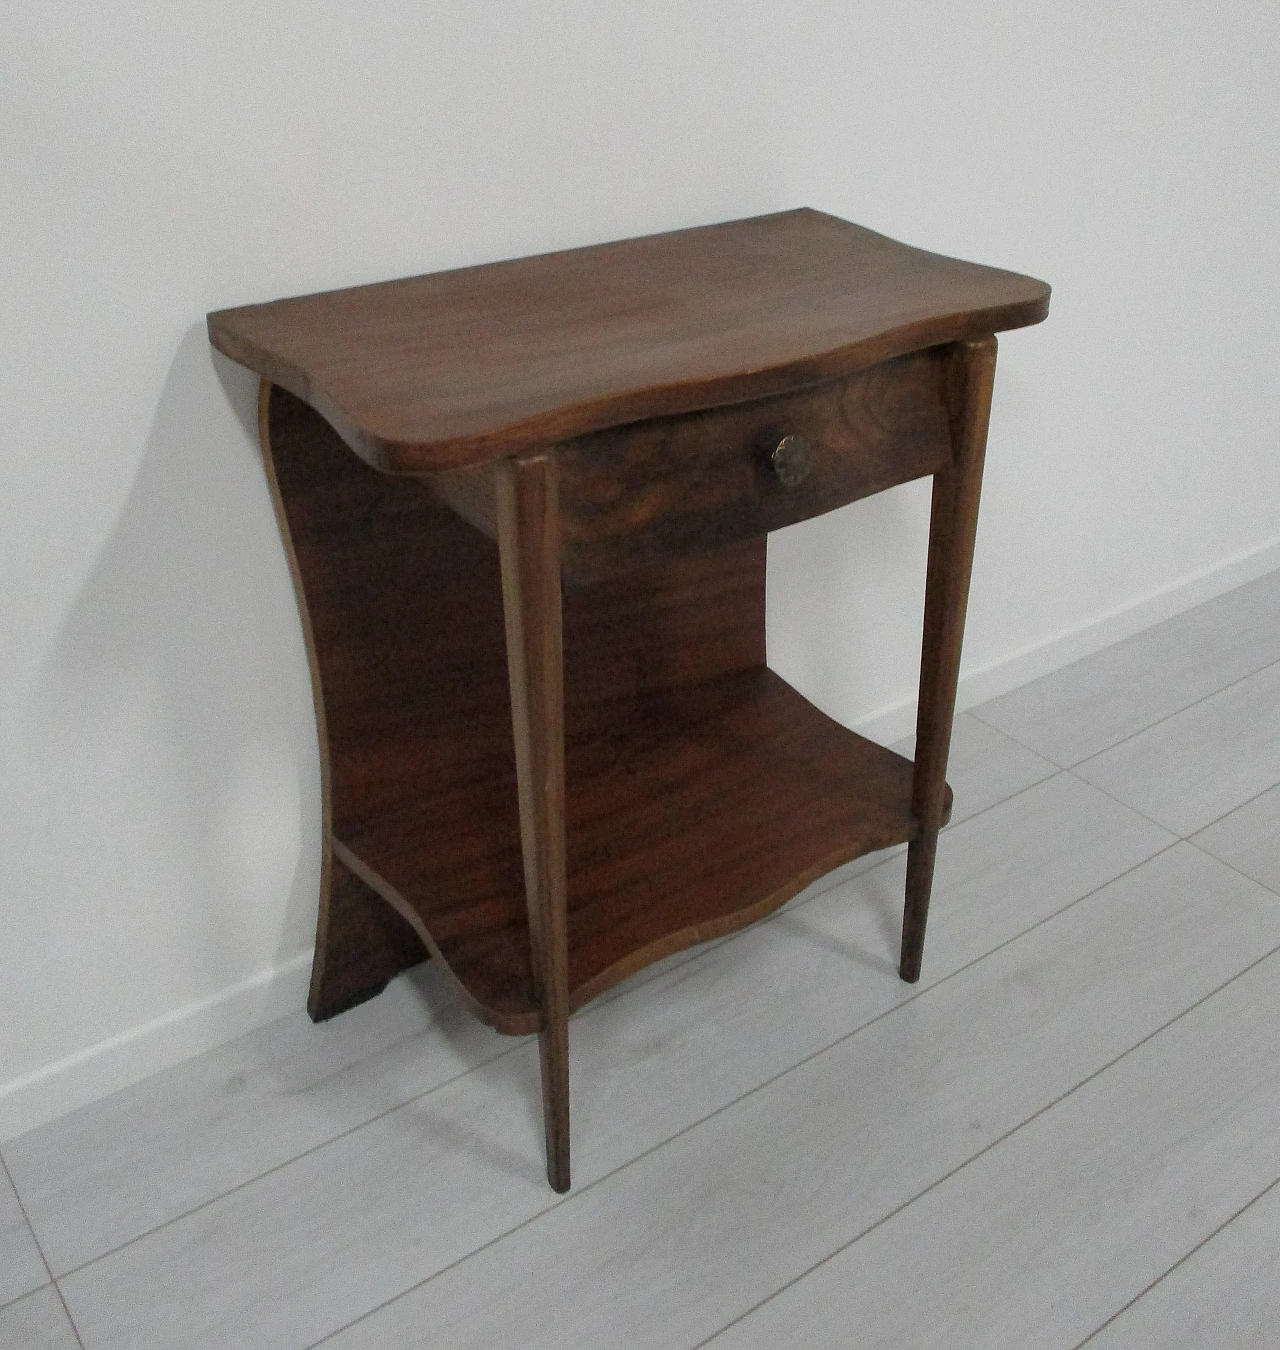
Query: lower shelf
[689, 815]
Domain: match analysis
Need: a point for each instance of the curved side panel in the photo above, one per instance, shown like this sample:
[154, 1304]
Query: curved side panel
[401, 611]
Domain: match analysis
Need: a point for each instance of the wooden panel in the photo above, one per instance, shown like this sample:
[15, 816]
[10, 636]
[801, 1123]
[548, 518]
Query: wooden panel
[405, 615]
[703, 809]
[362, 943]
[460, 368]
[402, 610]
[676, 485]
[404, 621]
[702, 791]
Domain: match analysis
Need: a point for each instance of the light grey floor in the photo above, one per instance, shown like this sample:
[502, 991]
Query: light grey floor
[1067, 1133]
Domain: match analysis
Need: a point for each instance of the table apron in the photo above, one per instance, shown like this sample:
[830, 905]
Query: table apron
[672, 486]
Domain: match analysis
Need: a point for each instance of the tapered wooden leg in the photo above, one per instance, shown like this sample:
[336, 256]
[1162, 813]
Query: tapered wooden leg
[952, 527]
[529, 543]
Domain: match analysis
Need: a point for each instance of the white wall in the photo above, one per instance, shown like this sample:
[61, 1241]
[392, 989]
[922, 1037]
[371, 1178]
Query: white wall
[158, 778]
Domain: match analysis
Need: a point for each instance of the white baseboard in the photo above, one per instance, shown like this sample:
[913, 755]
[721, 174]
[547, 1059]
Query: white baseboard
[133, 1055]
[898, 720]
[122, 1060]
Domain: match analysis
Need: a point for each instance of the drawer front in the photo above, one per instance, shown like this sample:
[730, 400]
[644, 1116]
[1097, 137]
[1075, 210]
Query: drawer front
[672, 486]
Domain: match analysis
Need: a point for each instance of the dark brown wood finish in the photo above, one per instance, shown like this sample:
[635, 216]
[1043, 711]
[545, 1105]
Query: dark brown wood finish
[528, 511]
[953, 528]
[404, 616]
[458, 368]
[362, 942]
[552, 751]
[702, 791]
[704, 810]
[677, 485]
[402, 613]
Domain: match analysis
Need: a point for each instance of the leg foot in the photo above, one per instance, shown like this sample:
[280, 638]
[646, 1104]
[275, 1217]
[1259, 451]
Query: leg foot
[361, 945]
[553, 1046]
[920, 856]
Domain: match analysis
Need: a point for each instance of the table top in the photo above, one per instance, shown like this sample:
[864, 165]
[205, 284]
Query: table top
[455, 369]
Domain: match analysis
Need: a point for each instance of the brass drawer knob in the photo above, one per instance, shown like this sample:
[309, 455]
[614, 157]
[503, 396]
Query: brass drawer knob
[792, 460]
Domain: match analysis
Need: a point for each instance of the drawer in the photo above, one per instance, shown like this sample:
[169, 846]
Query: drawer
[671, 486]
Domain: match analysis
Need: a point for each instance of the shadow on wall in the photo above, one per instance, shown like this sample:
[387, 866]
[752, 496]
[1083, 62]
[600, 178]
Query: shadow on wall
[178, 805]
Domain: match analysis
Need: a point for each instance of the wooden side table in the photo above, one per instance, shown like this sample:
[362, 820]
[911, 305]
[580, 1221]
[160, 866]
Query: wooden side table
[533, 596]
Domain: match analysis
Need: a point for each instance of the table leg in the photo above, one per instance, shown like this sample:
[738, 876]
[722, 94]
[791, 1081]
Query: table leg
[529, 543]
[952, 527]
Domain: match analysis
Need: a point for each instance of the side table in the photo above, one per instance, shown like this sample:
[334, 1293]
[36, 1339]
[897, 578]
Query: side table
[525, 506]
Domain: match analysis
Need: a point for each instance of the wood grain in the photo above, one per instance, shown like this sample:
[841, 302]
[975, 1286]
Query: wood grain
[705, 809]
[633, 418]
[953, 526]
[671, 486]
[659, 1060]
[386, 577]
[362, 943]
[455, 369]
[528, 512]
[702, 791]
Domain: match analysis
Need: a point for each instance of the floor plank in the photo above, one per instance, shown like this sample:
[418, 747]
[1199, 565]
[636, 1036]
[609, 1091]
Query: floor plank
[37, 1322]
[1248, 839]
[113, 1171]
[1225, 1295]
[319, 1242]
[21, 1269]
[1201, 763]
[985, 766]
[1038, 1241]
[1074, 713]
[119, 1167]
[668, 1251]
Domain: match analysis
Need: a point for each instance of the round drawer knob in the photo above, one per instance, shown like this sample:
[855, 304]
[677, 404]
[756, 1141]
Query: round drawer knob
[792, 459]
